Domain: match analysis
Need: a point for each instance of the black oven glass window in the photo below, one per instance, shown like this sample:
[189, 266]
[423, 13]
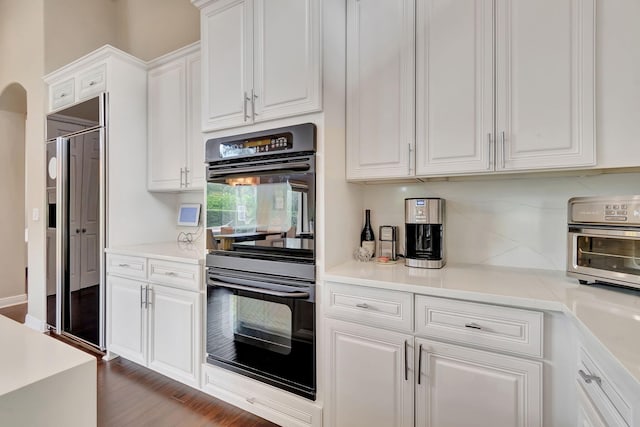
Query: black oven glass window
[612, 254]
[262, 206]
[260, 323]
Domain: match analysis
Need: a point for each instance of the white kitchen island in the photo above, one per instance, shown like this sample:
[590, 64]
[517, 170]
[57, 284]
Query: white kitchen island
[44, 382]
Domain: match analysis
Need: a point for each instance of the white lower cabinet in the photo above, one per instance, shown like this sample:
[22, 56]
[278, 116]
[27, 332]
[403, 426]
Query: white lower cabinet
[173, 317]
[127, 318]
[588, 415]
[371, 376]
[155, 325]
[458, 386]
[282, 408]
[380, 377]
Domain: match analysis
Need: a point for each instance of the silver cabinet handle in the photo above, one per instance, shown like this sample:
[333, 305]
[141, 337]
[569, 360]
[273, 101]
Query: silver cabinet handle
[149, 293]
[490, 165]
[362, 305]
[181, 174]
[123, 265]
[170, 273]
[142, 292]
[62, 95]
[251, 400]
[409, 159]
[253, 103]
[244, 106]
[406, 361]
[472, 325]
[588, 378]
[92, 83]
[419, 363]
[186, 176]
[502, 147]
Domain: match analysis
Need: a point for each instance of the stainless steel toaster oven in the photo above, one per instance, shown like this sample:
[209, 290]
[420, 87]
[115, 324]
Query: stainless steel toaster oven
[604, 240]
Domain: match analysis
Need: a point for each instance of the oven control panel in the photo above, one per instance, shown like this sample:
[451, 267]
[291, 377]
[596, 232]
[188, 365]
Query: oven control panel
[246, 147]
[604, 211]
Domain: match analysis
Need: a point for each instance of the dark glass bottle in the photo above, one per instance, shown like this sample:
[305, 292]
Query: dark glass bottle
[367, 238]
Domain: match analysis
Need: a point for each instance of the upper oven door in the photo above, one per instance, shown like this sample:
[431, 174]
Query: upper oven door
[604, 254]
[266, 209]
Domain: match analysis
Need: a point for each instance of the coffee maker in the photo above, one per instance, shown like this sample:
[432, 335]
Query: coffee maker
[424, 232]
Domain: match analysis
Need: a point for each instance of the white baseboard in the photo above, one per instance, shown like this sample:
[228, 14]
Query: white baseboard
[35, 323]
[14, 300]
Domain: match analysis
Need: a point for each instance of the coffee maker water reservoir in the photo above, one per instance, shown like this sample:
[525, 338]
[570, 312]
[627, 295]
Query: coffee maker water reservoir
[424, 232]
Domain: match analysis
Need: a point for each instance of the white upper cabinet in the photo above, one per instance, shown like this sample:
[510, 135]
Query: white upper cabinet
[175, 143]
[261, 60]
[454, 106]
[380, 88]
[545, 100]
[501, 85]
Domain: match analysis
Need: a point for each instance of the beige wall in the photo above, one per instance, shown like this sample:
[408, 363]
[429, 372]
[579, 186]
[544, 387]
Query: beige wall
[144, 28]
[150, 28]
[22, 53]
[12, 250]
[73, 28]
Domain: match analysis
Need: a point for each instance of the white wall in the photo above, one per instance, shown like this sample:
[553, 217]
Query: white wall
[514, 222]
[12, 193]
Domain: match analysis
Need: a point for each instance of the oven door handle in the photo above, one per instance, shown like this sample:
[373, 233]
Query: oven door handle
[283, 167]
[258, 290]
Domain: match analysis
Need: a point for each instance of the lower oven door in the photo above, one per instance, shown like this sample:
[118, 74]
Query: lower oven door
[264, 330]
[604, 255]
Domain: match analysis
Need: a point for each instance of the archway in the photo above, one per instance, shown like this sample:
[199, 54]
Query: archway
[13, 250]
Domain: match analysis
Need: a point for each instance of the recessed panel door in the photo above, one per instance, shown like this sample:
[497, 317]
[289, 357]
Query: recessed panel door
[90, 212]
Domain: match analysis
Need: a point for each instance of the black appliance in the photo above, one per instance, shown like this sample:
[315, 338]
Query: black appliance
[424, 232]
[261, 260]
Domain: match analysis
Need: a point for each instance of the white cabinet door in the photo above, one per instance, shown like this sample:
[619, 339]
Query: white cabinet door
[588, 415]
[454, 85]
[167, 126]
[545, 83]
[195, 142]
[127, 319]
[286, 45]
[174, 333]
[380, 88]
[461, 387]
[227, 63]
[371, 376]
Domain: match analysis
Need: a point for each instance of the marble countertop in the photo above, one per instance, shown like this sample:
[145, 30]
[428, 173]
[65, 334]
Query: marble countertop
[192, 253]
[611, 316]
[27, 356]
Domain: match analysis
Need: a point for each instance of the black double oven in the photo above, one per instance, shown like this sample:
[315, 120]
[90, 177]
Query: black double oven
[261, 256]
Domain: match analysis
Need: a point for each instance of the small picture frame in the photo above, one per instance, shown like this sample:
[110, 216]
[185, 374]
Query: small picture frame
[189, 214]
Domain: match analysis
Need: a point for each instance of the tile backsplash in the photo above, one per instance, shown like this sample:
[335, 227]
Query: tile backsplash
[510, 221]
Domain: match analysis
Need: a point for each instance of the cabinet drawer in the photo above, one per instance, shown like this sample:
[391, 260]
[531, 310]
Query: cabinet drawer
[376, 307]
[608, 400]
[176, 274]
[92, 82]
[499, 328]
[127, 266]
[265, 401]
[61, 94]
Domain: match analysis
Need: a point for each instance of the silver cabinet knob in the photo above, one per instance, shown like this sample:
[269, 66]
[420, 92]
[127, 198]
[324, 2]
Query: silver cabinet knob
[588, 377]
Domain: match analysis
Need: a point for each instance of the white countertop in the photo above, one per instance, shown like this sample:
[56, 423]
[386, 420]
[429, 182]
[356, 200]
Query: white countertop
[611, 316]
[192, 253]
[28, 356]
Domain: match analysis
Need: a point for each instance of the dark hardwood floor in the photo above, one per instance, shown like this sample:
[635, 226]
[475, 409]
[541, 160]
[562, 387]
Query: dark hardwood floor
[131, 395]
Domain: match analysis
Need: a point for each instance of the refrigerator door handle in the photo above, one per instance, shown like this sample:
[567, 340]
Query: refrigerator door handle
[62, 155]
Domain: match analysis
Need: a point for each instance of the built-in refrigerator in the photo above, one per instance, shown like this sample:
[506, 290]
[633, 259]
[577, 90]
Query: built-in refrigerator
[76, 221]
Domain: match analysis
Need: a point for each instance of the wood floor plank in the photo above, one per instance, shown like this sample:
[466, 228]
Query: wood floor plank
[132, 395]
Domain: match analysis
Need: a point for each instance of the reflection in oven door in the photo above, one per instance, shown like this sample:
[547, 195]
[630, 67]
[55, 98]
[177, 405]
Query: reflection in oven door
[265, 334]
